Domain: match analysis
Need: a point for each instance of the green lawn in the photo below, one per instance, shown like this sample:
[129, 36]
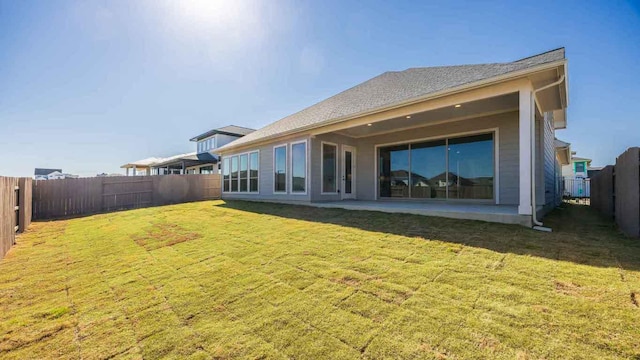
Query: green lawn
[244, 280]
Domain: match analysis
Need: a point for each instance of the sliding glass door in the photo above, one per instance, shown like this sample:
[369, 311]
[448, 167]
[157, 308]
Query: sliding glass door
[452, 168]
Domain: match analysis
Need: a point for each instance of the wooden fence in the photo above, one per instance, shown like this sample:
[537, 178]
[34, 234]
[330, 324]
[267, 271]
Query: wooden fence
[616, 191]
[15, 210]
[54, 199]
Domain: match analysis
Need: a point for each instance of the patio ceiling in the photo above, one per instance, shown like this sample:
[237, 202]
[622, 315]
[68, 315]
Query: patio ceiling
[488, 106]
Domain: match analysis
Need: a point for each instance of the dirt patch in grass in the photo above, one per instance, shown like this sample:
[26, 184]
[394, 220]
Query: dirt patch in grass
[567, 288]
[160, 235]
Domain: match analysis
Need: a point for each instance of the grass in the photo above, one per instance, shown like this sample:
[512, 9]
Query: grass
[249, 280]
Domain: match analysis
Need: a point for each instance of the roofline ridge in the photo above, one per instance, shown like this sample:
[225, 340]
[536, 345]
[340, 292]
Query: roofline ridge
[542, 53]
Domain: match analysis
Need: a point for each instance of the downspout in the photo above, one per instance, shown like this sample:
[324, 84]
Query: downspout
[537, 225]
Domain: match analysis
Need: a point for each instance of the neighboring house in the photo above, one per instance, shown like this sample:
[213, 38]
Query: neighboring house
[202, 161]
[140, 167]
[42, 174]
[52, 174]
[576, 176]
[474, 134]
[578, 168]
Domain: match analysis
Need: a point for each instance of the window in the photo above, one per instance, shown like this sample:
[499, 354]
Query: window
[240, 173]
[394, 171]
[579, 167]
[226, 175]
[280, 168]
[299, 167]
[234, 173]
[471, 167]
[454, 168]
[329, 168]
[244, 173]
[253, 172]
[429, 170]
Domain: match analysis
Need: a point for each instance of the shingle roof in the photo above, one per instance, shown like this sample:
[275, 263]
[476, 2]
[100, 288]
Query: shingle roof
[392, 88]
[232, 130]
[43, 172]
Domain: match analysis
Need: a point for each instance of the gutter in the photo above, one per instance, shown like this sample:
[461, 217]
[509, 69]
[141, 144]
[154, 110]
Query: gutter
[537, 225]
[451, 91]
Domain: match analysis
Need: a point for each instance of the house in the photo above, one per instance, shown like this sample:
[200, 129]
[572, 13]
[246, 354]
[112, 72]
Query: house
[52, 174]
[202, 161]
[42, 174]
[576, 176]
[483, 136]
[577, 168]
[140, 167]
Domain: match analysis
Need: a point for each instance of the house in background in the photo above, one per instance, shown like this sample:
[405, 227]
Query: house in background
[140, 167]
[52, 174]
[203, 161]
[470, 141]
[576, 176]
[578, 168]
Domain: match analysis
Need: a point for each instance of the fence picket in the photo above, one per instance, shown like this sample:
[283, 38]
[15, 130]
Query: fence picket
[72, 197]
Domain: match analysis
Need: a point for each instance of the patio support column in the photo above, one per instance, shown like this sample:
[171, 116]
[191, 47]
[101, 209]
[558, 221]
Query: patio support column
[127, 171]
[134, 170]
[524, 145]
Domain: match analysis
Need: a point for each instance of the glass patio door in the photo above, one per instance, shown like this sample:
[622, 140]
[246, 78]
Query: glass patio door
[348, 172]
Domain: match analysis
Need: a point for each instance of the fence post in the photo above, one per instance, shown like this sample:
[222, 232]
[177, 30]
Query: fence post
[24, 202]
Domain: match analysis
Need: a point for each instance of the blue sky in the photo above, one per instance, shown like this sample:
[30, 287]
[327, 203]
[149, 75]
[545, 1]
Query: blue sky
[87, 86]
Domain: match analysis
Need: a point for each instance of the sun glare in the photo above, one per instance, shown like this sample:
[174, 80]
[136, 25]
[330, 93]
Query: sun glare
[238, 18]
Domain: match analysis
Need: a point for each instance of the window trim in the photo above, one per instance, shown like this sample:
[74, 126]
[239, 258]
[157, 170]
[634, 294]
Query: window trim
[337, 168]
[286, 166]
[228, 157]
[306, 167]
[258, 172]
[496, 161]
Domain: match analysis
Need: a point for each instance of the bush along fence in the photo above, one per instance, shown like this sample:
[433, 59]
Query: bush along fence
[615, 191]
[15, 210]
[55, 199]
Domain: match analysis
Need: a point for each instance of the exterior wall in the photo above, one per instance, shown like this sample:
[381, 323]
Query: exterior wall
[508, 150]
[507, 182]
[266, 175]
[549, 166]
[223, 139]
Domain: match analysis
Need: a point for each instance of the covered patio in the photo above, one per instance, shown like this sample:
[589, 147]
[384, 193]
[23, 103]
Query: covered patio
[192, 163]
[507, 214]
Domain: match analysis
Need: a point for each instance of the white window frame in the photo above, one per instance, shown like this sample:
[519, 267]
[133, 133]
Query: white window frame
[337, 168]
[286, 166]
[249, 175]
[306, 167]
[229, 157]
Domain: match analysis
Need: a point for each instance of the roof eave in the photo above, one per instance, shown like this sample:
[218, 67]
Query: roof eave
[450, 91]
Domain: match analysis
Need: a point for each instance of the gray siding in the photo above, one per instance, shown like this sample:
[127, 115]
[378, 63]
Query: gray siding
[366, 177]
[508, 149]
[223, 139]
[549, 162]
[266, 176]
